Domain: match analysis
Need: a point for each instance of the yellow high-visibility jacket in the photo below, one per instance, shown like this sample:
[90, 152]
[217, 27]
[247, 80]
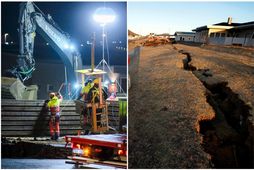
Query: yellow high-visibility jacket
[86, 88]
[54, 104]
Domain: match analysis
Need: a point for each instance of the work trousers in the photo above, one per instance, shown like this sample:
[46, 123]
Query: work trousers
[54, 125]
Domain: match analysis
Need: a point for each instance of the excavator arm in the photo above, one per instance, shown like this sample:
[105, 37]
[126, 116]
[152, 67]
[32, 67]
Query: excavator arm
[31, 21]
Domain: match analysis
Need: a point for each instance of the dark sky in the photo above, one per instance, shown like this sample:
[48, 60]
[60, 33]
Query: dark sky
[76, 19]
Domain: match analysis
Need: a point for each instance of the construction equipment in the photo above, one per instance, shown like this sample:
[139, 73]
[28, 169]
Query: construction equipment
[99, 111]
[108, 149]
[31, 21]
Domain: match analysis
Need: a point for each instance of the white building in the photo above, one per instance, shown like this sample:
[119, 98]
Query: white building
[185, 36]
[226, 33]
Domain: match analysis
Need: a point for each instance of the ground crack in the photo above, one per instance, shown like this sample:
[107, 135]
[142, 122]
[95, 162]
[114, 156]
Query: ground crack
[227, 137]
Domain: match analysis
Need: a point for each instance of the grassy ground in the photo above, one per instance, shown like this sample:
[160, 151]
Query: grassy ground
[166, 103]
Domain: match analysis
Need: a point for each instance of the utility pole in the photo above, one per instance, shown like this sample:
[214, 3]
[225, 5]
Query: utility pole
[92, 51]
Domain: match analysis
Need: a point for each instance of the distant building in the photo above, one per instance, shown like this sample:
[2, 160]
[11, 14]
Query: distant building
[185, 36]
[226, 33]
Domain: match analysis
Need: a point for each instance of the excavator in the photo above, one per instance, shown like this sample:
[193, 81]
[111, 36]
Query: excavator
[31, 21]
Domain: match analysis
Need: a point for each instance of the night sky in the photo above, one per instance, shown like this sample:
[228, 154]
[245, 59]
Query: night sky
[76, 19]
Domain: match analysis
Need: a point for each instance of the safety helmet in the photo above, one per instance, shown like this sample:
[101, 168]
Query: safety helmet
[96, 81]
[51, 95]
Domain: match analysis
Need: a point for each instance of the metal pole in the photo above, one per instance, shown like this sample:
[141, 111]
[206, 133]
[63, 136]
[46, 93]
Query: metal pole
[66, 82]
[92, 54]
[103, 49]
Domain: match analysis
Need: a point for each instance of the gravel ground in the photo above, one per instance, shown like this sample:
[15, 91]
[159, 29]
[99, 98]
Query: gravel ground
[166, 103]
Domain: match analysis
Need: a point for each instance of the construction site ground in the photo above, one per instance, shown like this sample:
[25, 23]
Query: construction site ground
[29, 147]
[167, 104]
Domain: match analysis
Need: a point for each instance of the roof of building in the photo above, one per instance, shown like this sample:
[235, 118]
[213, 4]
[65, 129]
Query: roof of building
[184, 33]
[226, 24]
[163, 34]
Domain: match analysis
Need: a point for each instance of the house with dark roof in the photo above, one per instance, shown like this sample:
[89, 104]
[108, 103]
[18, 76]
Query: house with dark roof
[226, 33]
[185, 36]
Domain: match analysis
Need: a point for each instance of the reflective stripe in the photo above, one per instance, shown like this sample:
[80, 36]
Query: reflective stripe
[95, 94]
[54, 109]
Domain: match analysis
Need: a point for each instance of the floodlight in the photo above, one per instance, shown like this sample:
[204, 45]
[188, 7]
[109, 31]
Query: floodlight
[104, 15]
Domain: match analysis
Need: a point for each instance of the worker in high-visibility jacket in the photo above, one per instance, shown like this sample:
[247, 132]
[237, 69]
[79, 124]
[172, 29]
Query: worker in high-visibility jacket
[88, 85]
[93, 95]
[54, 107]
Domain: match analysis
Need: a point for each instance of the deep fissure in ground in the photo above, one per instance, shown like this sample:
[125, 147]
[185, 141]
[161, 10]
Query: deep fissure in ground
[227, 137]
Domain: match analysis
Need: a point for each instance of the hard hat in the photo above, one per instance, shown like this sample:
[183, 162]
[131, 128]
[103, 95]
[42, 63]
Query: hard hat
[51, 95]
[96, 81]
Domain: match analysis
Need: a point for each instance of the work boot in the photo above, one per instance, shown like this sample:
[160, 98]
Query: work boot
[56, 136]
[52, 138]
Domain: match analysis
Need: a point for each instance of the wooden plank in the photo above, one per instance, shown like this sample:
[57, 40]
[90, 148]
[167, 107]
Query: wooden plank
[31, 133]
[113, 107]
[36, 104]
[32, 103]
[32, 123]
[114, 116]
[8, 108]
[31, 128]
[113, 110]
[36, 118]
[9, 114]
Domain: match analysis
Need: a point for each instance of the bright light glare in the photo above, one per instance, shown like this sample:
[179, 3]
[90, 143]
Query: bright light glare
[76, 85]
[72, 47]
[105, 83]
[66, 46]
[104, 15]
[113, 77]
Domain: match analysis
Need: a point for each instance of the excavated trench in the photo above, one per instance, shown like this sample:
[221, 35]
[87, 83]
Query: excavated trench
[26, 149]
[227, 137]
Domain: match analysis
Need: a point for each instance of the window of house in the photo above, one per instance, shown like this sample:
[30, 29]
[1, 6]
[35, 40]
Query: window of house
[253, 36]
[50, 87]
[217, 34]
[212, 35]
[222, 34]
